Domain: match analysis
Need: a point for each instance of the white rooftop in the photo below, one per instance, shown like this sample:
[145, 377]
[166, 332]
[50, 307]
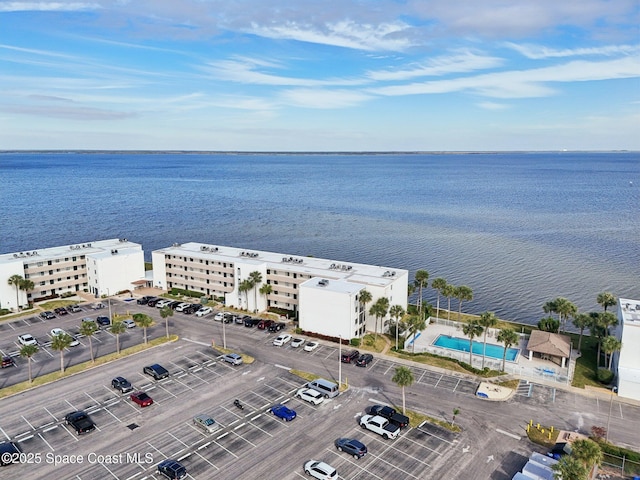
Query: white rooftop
[97, 247]
[339, 286]
[629, 359]
[316, 267]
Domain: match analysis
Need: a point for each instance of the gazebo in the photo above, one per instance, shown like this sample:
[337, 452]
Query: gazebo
[549, 346]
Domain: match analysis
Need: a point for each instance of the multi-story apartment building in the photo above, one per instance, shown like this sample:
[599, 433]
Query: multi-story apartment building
[627, 360]
[323, 293]
[101, 268]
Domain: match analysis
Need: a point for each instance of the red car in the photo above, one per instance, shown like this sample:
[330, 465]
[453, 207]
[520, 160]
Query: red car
[142, 399]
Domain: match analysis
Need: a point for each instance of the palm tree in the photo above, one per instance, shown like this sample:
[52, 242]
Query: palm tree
[88, 329]
[565, 309]
[449, 291]
[472, 329]
[244, 287]
[61, 343]
[379, 310]
[27, 352]
[166, 312]
[27, 285]
[118, 328]
[16, 280]
[438, 284]
[581, 321]
[570, 468]
[487, 320]
[365, 297]
[463, 293]
[416, 324]
[598, 329]
[608, 319]
[256, 278]
[456, 412]
[606, 299]
[403, 378]
[396, 311]
[144, 321]
[509, 338]
[550, 307]
[421, 278]
[588, 452]
[266, 290]
[549, 324]
[610, 345]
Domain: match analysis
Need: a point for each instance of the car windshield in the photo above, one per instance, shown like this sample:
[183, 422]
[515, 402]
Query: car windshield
[143, 396]
[209, 421]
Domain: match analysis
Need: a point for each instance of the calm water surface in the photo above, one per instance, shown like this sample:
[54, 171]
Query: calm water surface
[518, 228]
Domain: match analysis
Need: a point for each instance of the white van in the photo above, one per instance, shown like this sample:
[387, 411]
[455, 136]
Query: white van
[325, 387]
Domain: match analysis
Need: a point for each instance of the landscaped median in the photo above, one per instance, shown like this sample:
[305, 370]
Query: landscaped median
[81, 367]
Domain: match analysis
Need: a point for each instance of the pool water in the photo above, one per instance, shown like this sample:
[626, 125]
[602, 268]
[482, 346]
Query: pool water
[462, 345]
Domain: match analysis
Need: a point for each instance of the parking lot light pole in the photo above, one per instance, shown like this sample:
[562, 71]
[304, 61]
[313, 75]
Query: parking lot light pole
[224, 333]
[613, 391]
[340, 361]
[109, 303]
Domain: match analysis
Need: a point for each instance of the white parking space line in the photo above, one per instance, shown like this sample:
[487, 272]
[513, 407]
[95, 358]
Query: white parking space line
[74, 408]
[389, 368]
[458, 383]
[110, 413]
[421, 376]
[176, 438]
[28, 423]
[436, 385]
[433, 435]
[361, 469]
[160, 386]
[48, 444]
[107, 469]
[47, 351]
[52, 415]
[183, 384]
[5, 434]
[223, 447]
[75, 437]
[97, 402]
[214, 466]
[423, 446]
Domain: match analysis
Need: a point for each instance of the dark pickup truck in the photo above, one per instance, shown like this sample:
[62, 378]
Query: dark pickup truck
[390, 414]
[80, 421]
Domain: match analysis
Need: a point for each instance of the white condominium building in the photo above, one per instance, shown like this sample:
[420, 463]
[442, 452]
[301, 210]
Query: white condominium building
[627, 360]
[323, 293]
[101, 268]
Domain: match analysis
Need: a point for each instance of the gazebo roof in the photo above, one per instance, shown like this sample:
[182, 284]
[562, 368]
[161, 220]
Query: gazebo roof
[549, 344]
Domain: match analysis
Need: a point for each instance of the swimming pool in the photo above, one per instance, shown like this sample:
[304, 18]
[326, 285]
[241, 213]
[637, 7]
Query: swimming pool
[462, 345]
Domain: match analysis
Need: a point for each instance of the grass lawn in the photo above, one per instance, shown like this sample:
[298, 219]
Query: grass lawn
[585, 372]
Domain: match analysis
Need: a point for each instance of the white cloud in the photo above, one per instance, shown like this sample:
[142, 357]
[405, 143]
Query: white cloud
[538, 52]
[492, 106]
[47, 6]
[323, 99]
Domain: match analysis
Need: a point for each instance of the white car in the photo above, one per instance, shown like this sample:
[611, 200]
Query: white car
[163, 303]
[297, 342]
[281, 339]
[219, 317]
[311, 346]
[182, 306]
[320, 470]
[59, 331]
[310, 395]
[27, 339]
[98, 306]
[204, 311]
[129, 323]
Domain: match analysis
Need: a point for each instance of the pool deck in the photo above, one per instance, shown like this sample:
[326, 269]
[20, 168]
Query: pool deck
[492, 392]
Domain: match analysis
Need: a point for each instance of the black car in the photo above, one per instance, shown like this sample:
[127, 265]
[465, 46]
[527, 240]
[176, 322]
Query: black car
[122, 384]
[152, 301]
[156, 371]
[172, 469]
[349, 357]
[9, 453]
[48, 315]
[60, 311]
[276, 327]
[103, 321]
[251, 322]
[351, 446]
[390, 414]
[364, 360]
[173, 305]
[80, 421]
[144, 300]
[240, 319]
[196, 307]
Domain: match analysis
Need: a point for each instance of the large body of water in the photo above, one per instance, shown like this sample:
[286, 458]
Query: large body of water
[518, 228]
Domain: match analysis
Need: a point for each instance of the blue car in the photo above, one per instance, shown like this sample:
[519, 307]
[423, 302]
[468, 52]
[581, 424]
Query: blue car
[283, 412]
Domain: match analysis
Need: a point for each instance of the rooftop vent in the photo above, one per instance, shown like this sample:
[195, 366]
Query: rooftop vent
[323, 283]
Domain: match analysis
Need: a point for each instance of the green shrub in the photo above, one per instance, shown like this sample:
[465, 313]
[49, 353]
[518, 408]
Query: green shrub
[605, 376]
[355, 342]
[188, 293]
[5, 311]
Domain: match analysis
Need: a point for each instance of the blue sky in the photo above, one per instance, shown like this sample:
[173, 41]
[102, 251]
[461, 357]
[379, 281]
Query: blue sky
[330, 75]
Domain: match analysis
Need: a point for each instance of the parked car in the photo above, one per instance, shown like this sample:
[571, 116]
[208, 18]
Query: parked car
[144, 300]
[89, 320]
[282, 339]
[173, 305]
[310, 395]
[228, 317]
[297, 342]
[9, 453]
[59, 331]
[80, 421]
[350, 356]
[251, 322]
[311, 346]
[60, 311]
[103, 321]
[232, 358]
[263, 324]
[193, 308]
[218, 317]
[7, 362]
[204, 311]
[276, 326]
[240, 319]
[98, 306]
[47, 315]
[380, 425]
[351, 446]
[152, 302]
[129, 323]
[27, 339]
[364, 360]
[73, 309]
[122, 384]
[172, 469]
[206, 423]
[283, 412]
[390, 414]
[162, 303]
[141, 398]
[320, 470]
[156, 371]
